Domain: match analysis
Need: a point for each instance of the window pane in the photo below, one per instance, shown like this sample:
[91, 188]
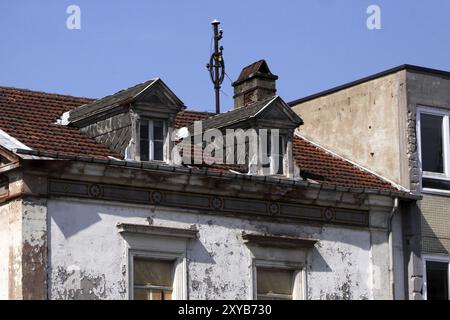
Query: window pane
[158, 152]
[144, 150]
[144, 130]
[435, 184]
[274, 281]
[151, 294]
[280, 153]
[431, 143]
[152, 272]
[158, 130]
[141, 294]
[437, 280]
[280, 164]
[265, 161]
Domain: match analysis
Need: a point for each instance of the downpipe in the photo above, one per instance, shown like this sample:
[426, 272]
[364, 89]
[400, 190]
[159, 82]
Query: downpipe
[391, 248]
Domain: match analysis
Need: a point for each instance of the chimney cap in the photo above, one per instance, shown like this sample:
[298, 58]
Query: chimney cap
[259, 68]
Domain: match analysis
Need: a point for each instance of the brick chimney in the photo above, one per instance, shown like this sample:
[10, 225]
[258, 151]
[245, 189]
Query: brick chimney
[255, 83]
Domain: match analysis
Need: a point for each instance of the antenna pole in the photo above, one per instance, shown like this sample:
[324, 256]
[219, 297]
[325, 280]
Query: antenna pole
[216, 65]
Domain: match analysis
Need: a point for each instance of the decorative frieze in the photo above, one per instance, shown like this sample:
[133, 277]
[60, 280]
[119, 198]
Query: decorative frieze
[211, 204]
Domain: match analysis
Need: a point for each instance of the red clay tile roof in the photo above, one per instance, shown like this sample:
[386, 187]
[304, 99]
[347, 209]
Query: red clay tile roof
[30, 117]
[314, 162]
[327, 168]
[186, 118]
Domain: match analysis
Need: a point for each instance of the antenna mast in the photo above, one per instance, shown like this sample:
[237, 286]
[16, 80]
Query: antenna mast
[216, 65]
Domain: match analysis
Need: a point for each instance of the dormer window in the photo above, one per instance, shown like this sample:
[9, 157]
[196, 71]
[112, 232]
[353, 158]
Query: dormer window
[152, 137]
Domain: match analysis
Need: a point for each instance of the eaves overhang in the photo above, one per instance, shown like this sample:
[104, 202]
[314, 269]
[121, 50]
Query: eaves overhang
[32, 155]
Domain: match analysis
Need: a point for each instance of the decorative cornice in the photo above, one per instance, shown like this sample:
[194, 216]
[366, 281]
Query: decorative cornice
[125, 228]
[213, 204]
[270, 240]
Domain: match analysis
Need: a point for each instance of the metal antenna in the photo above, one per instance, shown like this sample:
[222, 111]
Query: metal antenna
[216, 65]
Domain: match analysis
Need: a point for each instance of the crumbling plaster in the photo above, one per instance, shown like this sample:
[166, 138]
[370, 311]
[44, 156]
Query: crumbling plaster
[10, 250]
[23, 249]
[88, 257]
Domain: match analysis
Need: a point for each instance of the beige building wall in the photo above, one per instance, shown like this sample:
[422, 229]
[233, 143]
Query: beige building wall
[374, 125]
[362, 123]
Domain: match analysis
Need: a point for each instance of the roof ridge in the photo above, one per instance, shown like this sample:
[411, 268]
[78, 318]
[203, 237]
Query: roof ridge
[245, 106]
[195, 111]
[354, 164]
[45, 92]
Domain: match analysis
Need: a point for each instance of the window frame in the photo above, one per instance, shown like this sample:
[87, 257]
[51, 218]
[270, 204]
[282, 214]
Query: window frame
[179, 267]
[151, 140]
[434, 258]
[158, 243]
[299, 270]
[446, 147]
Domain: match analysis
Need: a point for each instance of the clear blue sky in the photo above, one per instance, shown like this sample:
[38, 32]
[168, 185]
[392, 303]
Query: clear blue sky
[311, 45]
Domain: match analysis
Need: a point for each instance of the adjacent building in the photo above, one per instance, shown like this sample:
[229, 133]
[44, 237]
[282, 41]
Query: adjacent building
[396, 124]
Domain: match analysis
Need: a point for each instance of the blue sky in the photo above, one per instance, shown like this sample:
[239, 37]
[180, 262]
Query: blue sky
[311, 45]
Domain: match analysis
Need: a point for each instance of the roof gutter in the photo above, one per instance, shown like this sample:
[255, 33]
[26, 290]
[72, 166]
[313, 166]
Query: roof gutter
[36, 155]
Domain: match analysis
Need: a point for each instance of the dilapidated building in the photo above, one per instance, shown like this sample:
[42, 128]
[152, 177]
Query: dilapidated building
[93, 204]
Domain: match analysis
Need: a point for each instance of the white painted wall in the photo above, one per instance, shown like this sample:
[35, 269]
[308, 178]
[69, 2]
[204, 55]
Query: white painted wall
[10, 248]
[4, 251]
[86, 250]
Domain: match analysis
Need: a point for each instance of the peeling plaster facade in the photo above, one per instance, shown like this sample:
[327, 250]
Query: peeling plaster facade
[69, 247]
[219, 263]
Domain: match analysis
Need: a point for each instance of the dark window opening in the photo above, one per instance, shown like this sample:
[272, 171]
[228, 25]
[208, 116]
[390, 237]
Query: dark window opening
[435, 184]
[432, 143]
[437, 280]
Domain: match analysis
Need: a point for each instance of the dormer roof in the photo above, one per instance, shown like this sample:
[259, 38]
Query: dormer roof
[273, 107]
[123, 98]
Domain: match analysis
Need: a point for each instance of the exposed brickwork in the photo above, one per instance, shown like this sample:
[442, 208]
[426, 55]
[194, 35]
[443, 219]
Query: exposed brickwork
[412, 152]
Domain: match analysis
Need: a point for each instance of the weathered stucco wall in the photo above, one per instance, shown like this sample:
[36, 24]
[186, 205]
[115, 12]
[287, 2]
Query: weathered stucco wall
[87, 255]
[34, 248]
[362, 123]
[10, 250]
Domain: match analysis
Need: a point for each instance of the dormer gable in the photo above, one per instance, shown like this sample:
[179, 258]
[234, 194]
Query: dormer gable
[134, 122]
[270, 124]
